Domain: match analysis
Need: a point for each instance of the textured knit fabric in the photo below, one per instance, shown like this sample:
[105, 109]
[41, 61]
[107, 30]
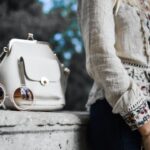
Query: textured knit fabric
[111, 41]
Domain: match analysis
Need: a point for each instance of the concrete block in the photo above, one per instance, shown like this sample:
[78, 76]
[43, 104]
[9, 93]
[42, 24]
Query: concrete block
[62, 130]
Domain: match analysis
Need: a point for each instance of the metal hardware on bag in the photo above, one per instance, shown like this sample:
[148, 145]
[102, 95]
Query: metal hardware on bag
[67, 71]
[3, 54]
[44, 81]
[5, 49]
[30, 36]
[62, 65]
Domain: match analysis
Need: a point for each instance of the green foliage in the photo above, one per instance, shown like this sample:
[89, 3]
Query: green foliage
[68, 42]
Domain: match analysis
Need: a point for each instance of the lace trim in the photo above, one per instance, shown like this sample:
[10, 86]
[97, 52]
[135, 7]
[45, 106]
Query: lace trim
[131, 63]
[141, 77]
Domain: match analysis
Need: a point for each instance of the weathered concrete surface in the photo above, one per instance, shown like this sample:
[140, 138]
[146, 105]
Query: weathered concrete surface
[43, 130]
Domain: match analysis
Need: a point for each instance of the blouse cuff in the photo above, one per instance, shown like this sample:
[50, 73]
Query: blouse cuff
[133, 107]
[138, 116]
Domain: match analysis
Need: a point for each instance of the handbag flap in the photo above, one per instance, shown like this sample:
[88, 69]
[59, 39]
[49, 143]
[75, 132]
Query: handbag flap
[38, 68]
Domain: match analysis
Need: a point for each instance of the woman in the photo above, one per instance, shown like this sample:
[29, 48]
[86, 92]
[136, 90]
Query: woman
[116, 36]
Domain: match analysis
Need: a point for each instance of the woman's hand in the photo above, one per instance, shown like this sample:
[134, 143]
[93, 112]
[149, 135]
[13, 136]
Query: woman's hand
[146, 142]
[145, 132]
[145, 129]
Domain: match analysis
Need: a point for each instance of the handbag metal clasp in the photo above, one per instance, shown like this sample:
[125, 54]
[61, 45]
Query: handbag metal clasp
[30, 36]
[44, 81]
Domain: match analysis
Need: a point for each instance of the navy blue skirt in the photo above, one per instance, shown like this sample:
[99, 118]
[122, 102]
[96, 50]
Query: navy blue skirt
[108, 131]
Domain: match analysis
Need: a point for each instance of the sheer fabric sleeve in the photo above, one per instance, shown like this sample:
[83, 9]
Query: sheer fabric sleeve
[97, 26]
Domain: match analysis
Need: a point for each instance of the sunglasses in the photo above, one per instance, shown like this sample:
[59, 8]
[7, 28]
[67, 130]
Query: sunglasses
[2, 94]
[21, 99]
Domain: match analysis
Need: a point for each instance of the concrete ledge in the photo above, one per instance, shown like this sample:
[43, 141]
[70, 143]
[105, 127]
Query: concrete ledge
[22, 130]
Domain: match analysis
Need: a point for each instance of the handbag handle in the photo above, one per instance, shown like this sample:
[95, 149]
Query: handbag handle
[6, 50]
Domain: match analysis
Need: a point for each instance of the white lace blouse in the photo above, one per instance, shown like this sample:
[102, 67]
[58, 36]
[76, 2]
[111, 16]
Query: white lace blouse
[118, 57]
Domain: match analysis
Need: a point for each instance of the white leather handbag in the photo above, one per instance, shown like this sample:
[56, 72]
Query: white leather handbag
[31, 76]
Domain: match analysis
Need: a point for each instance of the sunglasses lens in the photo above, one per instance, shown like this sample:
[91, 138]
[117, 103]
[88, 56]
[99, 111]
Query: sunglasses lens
[1, 95]
[23, 97]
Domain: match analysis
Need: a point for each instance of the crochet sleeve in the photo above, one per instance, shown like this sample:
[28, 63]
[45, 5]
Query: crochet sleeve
[97, 26]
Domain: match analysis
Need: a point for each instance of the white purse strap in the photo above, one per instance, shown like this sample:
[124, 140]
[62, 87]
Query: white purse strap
[21, 71]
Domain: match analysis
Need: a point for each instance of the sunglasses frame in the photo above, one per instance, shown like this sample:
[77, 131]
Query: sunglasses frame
[4, 94]
[14, 102]
[11, 100]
